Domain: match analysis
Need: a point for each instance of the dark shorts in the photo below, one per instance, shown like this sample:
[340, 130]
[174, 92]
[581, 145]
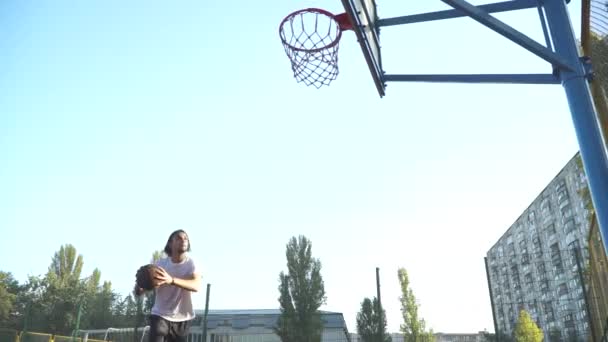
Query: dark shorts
[162, 330]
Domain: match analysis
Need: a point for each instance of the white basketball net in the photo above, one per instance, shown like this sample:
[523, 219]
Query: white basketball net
[310, 38]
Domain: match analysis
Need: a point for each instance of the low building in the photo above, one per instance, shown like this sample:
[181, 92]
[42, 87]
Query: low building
[439, 337]
[228, 326]
[259, 325]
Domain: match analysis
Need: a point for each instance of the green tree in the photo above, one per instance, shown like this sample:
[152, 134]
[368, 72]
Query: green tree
[526, 329]
[66, 265]
[63, 291]
[126, 312]
[51, 303]
[8, 294]
[58, 306]
[28, 307]
[150, 297]
[371, 323]
[100, 308]
[64, 294]
[302, 293]
[599, 55]
[413, 327]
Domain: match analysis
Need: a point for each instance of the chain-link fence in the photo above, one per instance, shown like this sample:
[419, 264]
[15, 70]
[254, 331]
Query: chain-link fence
[8, 335]
[116, 334]
[130, 335]
[594, 40]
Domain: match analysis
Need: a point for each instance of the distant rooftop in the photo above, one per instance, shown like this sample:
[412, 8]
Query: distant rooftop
[254, 312]
[242, 312]
[242, 319]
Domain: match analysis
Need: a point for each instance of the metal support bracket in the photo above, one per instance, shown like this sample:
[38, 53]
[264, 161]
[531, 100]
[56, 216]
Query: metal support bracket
[588, 66]
[510, 33]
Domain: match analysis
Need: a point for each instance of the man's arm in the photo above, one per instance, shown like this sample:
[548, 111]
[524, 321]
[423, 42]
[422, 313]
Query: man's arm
[192, 283]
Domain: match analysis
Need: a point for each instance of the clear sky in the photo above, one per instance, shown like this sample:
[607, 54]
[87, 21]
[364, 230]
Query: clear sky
[121, 121]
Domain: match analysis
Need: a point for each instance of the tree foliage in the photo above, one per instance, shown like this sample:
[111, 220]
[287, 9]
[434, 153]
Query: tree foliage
[50, 303]
[599, 55]
[302, 293]
[8, 294]
[150, 297]
[66, 265]
[496, 337]
[526, 329]
[413, 327]
[371, 322]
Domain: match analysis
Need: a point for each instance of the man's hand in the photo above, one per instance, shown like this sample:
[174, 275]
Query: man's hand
[163, 277]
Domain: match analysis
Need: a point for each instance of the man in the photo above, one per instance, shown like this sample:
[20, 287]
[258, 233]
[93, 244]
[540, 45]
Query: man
[177, 278]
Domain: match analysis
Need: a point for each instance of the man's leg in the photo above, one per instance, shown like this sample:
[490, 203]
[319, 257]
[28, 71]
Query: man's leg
[179, 331]
[159, 329]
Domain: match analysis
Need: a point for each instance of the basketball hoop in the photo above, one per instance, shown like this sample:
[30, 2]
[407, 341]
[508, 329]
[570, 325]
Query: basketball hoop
[310, 38]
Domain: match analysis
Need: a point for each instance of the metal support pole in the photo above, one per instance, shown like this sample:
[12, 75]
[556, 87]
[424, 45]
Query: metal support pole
[581, 278]
[77, 327]
[139, 318]
[381, 325]
[27, 321]
[205, 314]
[591, 144]
[485, 260]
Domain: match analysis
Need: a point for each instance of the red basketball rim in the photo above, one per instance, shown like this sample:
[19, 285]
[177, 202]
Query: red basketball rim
[313, 10]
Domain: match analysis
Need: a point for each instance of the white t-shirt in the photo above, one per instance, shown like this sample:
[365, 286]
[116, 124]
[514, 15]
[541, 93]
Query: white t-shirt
[174, 303]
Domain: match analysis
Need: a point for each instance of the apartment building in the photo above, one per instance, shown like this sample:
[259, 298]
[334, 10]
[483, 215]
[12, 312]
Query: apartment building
[534, 265]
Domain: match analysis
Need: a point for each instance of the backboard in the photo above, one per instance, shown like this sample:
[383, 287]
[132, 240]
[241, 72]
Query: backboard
[362, 14]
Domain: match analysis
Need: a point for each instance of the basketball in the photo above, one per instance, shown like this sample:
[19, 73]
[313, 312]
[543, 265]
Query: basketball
[146, 277]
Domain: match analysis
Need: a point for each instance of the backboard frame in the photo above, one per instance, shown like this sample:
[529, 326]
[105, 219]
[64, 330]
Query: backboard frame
[363, 16]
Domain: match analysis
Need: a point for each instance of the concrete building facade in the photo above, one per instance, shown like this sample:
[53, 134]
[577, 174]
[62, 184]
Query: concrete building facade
[533, 266]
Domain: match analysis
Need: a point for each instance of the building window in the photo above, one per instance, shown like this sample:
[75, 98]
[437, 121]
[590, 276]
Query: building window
[537, 246]
[562, 197]
[522, 244]
[531, 217]
[528, 279]
[548, 309]
[542, 269]
[558, 267]
[554, 249]
[525, 258]
[569, 320]
[566, 211]
[551, 229]
[544, 286]
[561, 185]
[545, 206]
[573, 248]
[569, 225]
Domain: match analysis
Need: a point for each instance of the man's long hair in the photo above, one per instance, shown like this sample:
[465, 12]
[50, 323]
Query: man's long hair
[168, 244]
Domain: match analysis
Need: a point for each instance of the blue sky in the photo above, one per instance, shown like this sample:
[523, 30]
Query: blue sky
[122, 121]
